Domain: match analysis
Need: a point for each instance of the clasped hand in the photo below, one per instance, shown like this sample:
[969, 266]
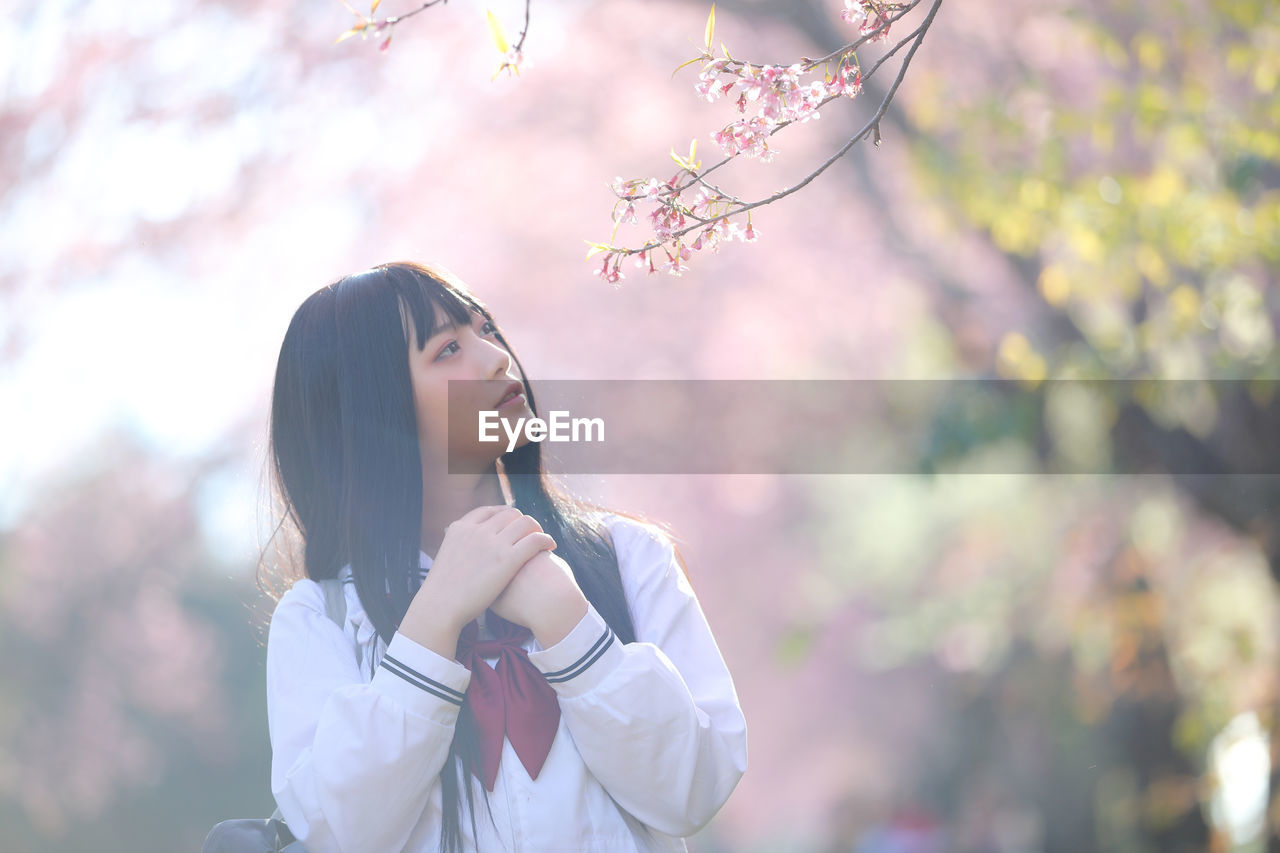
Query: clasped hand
[544, 597]
[498, 558]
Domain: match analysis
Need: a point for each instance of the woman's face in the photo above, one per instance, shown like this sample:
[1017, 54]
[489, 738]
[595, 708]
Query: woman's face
[464, 352]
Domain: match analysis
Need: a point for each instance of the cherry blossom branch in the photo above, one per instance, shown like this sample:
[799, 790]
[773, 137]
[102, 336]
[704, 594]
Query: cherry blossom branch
[512, 55]
[809, 64]
[874, 30]
[699, 178]
[427, 5]
[369, 26]
[903, 11]
[873, 124]
[784, 102]
[525, 31]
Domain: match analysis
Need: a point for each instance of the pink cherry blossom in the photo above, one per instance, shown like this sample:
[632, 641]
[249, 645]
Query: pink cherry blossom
[666, 220]
[609, 270]
[855, 11]
[705, 198]
[708, 79]
[675, 266]
[628, 213]
[847, 81]
[747, 235]
[511, 61]
[745, 136]
[710, 238]
[869, 16]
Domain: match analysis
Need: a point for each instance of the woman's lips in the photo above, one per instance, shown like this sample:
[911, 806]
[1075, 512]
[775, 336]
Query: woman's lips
[518, 398]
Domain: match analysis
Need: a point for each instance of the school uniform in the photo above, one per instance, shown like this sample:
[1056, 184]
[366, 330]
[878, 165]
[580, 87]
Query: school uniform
[650, 744]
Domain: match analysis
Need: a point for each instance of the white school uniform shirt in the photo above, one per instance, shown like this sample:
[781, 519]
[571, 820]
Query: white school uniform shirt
[652, 739]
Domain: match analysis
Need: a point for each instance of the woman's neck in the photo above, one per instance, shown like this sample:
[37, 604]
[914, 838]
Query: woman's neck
[448, 497]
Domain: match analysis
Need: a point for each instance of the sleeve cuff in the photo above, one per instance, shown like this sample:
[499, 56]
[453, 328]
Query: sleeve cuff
[422, 680]
[584, 658]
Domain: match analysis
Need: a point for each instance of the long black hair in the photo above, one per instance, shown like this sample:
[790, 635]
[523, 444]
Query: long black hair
[346, 466]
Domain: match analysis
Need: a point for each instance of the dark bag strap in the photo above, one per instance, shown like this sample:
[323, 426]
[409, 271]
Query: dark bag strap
[335, 604]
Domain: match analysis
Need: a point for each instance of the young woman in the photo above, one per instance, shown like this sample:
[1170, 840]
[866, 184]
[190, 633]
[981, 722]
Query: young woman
[543, 654]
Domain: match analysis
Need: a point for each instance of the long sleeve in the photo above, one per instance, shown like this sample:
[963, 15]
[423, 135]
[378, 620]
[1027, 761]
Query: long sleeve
[657, 721]
[353, 762]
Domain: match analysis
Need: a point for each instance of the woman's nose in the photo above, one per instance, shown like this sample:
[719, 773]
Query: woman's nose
[498, 359]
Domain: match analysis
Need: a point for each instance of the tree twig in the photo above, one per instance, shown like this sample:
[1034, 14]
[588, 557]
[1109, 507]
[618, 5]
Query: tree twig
[872, 126]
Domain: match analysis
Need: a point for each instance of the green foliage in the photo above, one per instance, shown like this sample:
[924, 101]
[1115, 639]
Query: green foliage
[1138, 172]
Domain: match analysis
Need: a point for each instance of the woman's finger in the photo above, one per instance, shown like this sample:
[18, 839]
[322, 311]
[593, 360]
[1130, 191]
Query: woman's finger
[481, 514]
[529, 547]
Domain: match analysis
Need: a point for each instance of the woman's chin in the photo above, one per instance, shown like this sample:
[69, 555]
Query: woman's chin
[521, 441]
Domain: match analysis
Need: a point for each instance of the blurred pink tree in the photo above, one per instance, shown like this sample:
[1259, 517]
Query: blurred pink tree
[113, 679]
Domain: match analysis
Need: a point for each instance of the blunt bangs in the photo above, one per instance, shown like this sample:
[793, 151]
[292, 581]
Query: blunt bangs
[435, 300]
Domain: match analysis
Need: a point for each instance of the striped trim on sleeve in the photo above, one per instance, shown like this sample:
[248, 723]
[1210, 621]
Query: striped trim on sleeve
[583, 663]
[421, 681]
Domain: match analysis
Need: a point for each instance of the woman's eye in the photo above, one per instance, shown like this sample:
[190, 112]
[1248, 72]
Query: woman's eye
[485, 328]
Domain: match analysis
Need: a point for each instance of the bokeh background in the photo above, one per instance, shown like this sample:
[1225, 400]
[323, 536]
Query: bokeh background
[1055, 662]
